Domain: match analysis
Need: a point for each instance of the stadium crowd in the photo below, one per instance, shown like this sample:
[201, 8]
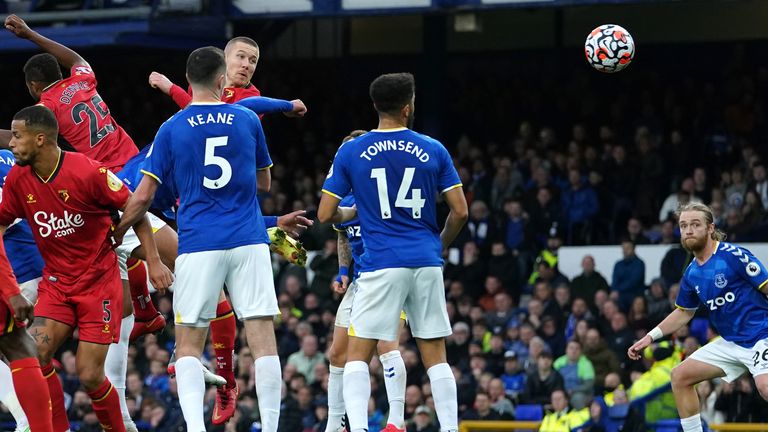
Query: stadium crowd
[543, 166]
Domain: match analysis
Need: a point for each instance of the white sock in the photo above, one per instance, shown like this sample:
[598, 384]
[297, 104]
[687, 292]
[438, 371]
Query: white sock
[269, 383]
[8, 396]
[116, 363]
[191, 388]
[357, 391]
[692, 423]
[444, 393]
[335, 398]
[394, 381]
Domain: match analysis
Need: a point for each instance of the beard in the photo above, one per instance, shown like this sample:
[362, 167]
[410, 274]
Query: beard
[694, 244]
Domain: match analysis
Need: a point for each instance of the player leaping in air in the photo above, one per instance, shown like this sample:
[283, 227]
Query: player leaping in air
[732, 284]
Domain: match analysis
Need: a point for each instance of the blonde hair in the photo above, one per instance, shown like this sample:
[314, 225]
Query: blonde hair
[708, 216]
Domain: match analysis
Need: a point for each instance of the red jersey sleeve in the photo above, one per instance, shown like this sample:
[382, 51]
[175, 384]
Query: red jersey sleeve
[8, 285]
[108, 189]
[10, 209]
[179, 96]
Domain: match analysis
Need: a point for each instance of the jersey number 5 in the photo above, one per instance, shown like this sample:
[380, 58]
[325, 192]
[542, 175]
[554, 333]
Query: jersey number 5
[212, 159]
[415, 203]
[93, 123]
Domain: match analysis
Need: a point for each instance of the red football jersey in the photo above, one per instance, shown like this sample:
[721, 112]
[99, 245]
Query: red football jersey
[85, 121]
[70, 214]
[230, 95]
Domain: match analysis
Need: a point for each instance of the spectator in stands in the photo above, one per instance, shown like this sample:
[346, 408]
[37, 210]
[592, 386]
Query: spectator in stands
[513, 376]
[734, 193]
[325, 266]
[682, 196]
[579, 208]
[707, 399]
[579, 312]
[637, 316]
[506, 183]
[621, 337]
[701, 188]
[481, 226]
[540, 383]
[621, 180]
[290, 415]
[422, 421]
[760, 183]
[628, 276]
[656, 299]
[552, 334]
[563, 300]
[515, 225]
[669, 233]
[307, 357]
[504, 266]
[578, 374]
[604, 361]
[588, 282]
[499, 401]
[741, 403]
[413, 398]
[635, 232]
[499, 316]
[471, 271]
[482, 409]
[492, 287]
[457, 346]
[495, 355]
[563, 418]
[543, 212]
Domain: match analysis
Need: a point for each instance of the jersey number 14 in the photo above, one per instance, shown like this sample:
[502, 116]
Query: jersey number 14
[415, 203]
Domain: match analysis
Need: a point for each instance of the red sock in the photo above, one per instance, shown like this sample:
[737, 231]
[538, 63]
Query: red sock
[60, 422]
[106, 405]
[143, 308]
[32, 391]
[223, 329]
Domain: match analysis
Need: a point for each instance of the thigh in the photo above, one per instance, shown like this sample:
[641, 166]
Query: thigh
[719, 354]
[17, 344]
[199, 278]
[100, 311]
[48, 334]
[425, 305]
[250, 282]
[345, 307]
[378, 301]
[190, 341]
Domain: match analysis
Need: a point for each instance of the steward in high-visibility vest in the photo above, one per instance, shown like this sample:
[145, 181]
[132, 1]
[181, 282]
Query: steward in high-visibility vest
[563, 419]
[666, 357]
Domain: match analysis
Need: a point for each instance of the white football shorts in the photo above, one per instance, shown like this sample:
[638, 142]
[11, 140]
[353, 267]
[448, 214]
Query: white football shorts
[131, 242]
[247, 272]
[733, 359]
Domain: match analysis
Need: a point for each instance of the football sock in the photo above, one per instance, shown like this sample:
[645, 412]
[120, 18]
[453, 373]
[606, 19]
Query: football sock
[191, 388]
[142, 302]
[33, 394]
[269, 383]
[60, 421]
[8, 396]
[335, 398]
[357, 391]
[106, 406]
[394, 381]
[223, 332]
[116, 363]
[444, 393]
[692, 423]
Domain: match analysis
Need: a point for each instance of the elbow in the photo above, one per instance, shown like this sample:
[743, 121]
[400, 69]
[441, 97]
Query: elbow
[324, 216]
[461, 215]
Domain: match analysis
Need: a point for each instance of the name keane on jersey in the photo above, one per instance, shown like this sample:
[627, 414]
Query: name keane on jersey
[64, 226]
[224, 118]
[401, 145]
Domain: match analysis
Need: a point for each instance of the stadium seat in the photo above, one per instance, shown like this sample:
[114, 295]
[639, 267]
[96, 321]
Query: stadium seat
[699, 327]
[618, 412]
[529, 412]
[671, 425]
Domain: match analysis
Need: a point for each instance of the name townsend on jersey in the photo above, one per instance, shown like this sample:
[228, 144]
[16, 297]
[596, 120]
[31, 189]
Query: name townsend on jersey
[401, 145]
[199, 119]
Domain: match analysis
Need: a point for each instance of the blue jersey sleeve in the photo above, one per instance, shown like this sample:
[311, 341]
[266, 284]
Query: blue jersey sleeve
[448, 177]
[159, 160]
[265, 105]
[687, 297]
[745, 264]
[6, 163]
[337, 183]
[263, 160]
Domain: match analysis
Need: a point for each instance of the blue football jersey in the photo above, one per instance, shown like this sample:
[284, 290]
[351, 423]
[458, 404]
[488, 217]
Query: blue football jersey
[728, 286]
[352, 229]
[210, 154]
[165, 196]
[20, 246]
[396, 175]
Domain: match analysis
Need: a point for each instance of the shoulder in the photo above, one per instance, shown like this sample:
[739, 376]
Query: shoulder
[731, 253]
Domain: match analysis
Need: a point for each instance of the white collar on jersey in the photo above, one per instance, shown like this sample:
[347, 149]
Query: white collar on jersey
[208, 103]
[390, 129]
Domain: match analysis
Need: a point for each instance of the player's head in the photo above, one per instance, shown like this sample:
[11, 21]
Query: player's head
[354, 134]
[393, 96]
[40, 71]
[32, 129]
[242, 54]
[206, 68]
[697, 226]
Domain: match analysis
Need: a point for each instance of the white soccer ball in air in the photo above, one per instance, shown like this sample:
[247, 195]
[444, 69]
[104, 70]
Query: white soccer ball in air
[609, 48]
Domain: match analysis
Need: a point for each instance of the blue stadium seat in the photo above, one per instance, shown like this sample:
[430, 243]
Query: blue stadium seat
[618, 412]
[699, 327]
[529, 412]
[671, 425]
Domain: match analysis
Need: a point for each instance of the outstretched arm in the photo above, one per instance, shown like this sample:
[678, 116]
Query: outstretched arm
[676, 319]
[65, 56]
[161, 82]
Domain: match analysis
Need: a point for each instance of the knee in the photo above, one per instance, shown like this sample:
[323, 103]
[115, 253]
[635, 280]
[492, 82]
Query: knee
[680, 378]
[44, 354]
[91, 377]
[762, 387]
[337, 356]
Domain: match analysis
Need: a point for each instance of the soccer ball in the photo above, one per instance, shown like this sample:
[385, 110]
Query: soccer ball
[609, 48]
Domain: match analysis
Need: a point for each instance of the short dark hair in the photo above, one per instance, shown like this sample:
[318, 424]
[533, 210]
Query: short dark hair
[354, 134]
[243, 39]
[205, 64]
[391, 92]
[42, 68]
[41, 119]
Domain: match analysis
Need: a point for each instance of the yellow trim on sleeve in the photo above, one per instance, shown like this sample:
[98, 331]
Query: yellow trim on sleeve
[266, 167]
[331, 193]
[452, 187]
[684, 308]
[762, 284]
[145, 172]
[337, 229]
